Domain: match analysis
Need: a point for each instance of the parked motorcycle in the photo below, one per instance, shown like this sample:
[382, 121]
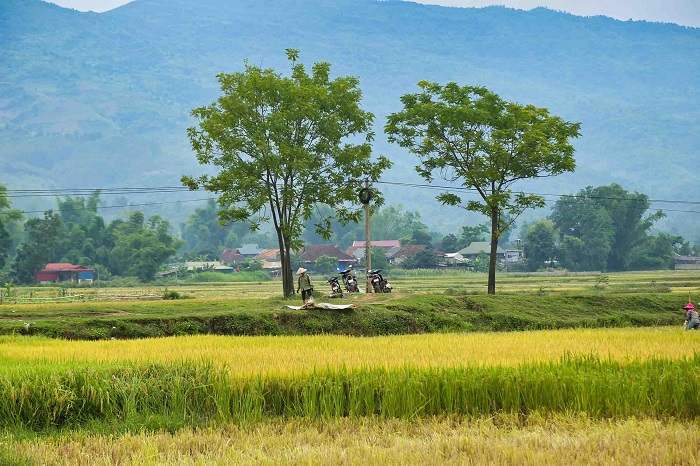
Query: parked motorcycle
[335, 286]
[350, 281]
[379, 283]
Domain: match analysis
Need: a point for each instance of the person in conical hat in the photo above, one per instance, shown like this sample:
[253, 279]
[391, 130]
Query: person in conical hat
[692, 320]
[304, 284]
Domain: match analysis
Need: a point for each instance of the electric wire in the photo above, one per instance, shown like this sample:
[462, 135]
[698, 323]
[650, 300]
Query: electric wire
[125, 191]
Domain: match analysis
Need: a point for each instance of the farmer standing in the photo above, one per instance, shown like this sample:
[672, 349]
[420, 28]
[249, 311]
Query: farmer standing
[304, 284]
[692, 321]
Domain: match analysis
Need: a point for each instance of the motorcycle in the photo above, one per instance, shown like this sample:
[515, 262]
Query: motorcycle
[335, 286]
[349, 281]
[379, 283]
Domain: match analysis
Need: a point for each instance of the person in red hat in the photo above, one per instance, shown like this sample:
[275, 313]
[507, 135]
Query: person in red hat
[692, 321]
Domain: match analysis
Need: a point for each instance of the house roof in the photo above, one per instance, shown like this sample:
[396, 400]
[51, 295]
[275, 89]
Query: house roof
[65, 267]
[384, 243]
[250, 249]
[477, 247]
[272, 265]
[311, 252]
[267, 254]
[214, 265]
[408, 250]
[231, 256]
[387, 245]
[680, 258]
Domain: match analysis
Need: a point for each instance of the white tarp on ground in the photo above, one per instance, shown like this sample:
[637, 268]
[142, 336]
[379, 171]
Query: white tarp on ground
[311, 305]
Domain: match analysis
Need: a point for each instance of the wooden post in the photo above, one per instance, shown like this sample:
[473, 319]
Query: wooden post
[368, 244]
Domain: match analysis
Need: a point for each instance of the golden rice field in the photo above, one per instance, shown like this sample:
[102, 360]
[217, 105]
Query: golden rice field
[499, 440]
[298, 354]
[499, 437]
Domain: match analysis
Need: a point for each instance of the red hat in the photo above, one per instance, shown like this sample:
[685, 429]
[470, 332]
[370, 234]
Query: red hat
[689, 306]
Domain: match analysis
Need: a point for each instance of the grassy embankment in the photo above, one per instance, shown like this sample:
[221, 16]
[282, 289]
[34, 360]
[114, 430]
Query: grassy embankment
[373, 315]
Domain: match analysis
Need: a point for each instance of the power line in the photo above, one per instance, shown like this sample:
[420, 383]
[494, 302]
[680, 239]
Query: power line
[76, 192]
[128, 205]
[613, 198]
[79, 192]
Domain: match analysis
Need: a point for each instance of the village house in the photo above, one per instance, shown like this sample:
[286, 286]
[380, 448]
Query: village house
[64, 272]
[231, 256]
[250, 250]
[311, 252]
[270, 259]
[195, 266]
[477, 247]
[686, 262]
[357, 250]
[404, 252]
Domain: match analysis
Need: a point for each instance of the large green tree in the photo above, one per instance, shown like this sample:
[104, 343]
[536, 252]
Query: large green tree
[204, 234]
[609, 220]
[470, 136]
[37, 249]
[540, 244]
[281, 145]
[141, 246]
[8, 217]
[475, 233]
[82, 231]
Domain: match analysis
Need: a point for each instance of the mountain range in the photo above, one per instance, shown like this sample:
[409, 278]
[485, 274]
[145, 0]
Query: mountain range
[103, 100]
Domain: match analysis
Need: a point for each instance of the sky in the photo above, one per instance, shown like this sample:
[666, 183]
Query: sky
[684, 12]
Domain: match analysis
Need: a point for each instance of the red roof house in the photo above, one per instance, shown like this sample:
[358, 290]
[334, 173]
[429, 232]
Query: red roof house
[56, 272]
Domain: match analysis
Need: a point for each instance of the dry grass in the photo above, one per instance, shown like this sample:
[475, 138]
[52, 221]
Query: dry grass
[282, 355]
[504, 439]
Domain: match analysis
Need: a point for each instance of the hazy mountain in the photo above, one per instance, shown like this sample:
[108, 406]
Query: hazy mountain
[95, 100]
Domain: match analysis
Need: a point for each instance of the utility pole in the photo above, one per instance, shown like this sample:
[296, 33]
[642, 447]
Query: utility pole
[368, 242]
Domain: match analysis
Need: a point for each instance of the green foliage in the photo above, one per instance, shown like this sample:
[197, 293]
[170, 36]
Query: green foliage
[424, 259]
[205, 235]
[481, 262]
[449, 243]
[286, 143]
[142, 247]
[421, 237]
[472, 234]
[600, 228]
[540, 244]
[379, 259]
[37, 250]
[469, 134]
[8, 218]
[326, 264]
[656, 252]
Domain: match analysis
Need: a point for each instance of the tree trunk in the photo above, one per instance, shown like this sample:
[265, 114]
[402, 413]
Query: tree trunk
[287, 273]
[286, 262]
[494, 248]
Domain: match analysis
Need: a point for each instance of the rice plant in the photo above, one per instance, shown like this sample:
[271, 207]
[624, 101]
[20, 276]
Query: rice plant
[50, 396]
